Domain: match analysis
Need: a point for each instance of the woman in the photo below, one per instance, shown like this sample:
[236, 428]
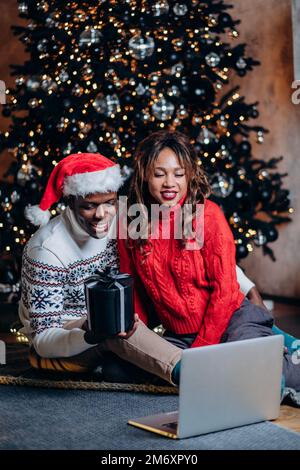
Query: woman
[195, 292]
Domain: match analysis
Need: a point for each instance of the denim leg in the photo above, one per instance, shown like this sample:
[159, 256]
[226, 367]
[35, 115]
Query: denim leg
[249, 321]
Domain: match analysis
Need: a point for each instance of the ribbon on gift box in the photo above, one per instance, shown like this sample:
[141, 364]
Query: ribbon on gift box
[109, 277]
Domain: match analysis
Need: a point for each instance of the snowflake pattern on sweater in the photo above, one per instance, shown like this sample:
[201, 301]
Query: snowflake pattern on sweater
[55, 294]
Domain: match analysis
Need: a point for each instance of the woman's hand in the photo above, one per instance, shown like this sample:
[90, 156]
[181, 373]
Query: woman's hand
[129, 333]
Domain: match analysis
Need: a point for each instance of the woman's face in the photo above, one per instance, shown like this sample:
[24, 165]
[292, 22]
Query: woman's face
[167, 181]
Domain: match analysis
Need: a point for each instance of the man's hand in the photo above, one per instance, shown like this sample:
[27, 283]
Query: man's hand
[255, 297]
[91, 338]
[129, 333]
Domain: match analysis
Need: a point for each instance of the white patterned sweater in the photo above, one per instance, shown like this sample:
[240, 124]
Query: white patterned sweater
[57, 260]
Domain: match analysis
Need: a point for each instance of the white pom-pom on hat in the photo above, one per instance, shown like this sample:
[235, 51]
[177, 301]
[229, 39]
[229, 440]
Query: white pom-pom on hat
[37, 216]
[77, 175]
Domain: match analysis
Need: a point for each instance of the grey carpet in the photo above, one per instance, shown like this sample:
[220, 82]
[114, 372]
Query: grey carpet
[32, 418]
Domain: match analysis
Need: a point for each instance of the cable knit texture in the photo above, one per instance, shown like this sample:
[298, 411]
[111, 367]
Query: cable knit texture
[193, 291]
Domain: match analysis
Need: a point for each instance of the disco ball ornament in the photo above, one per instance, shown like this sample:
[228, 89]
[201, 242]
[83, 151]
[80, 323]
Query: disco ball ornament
[89, 37]
[20, 81]
[140, 89]
[47, 84]
[221, 185]
[23, 8]
[206, 136]
[33, 83]
[180, 9]
[260, 238]
[63, 76]
[50, 22]
[160, 8]
[212, 59]
[107, 105]
[163, 109]
[141, 47]
[241, 63]
[42, 45]
[92, 147]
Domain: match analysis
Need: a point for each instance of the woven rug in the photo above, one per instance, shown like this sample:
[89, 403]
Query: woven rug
[18, 371]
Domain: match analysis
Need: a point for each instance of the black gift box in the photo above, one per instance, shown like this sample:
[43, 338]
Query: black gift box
[109, 301]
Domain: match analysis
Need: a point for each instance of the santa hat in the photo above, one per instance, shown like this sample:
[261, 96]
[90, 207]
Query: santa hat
[77, 175]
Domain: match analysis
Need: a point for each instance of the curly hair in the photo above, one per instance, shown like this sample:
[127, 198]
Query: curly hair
[145, 156]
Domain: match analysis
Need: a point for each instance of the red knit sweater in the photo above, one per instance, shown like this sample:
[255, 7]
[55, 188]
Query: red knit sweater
[193, 291]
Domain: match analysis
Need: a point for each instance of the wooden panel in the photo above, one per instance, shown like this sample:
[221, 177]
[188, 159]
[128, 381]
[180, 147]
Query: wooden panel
[289, 418]
[296, 37]
[266, 28]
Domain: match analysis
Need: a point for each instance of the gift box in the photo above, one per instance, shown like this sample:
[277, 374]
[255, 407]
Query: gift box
[109, 301]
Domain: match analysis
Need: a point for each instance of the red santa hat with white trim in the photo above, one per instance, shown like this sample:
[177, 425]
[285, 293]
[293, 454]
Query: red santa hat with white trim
[76, 175]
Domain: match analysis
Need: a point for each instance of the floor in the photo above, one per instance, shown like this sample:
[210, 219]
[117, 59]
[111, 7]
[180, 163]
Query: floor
[287, 316]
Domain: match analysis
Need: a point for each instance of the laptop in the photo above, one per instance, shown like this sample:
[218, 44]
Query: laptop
[223, 386]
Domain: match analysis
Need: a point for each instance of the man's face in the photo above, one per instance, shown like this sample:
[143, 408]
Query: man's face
[95, 212]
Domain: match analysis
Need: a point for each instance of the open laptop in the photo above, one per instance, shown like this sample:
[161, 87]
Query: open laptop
[223, 386]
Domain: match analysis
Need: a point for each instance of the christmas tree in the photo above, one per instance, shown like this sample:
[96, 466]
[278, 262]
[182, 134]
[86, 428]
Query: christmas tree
[102, 75]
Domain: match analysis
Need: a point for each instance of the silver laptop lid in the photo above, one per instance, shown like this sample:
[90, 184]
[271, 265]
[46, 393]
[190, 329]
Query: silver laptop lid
[230, 384]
